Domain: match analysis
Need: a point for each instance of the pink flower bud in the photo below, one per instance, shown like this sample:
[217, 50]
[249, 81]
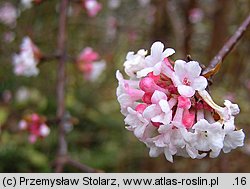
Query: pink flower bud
[140, 108]
[188, 118]
[156, 78]
[88, 55]
[147, 84]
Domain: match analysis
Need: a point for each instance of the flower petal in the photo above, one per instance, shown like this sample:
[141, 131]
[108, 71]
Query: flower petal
[157, 68]
[157, 49]
[185, 90]
[168, 155]
[151, 111]
[233, 140]
[144, 72]
[168, 52]
[179, 68]
[193, 68]
[164, 106]
[199, 83]
[157, 96]
[139, 131]
[158, 118]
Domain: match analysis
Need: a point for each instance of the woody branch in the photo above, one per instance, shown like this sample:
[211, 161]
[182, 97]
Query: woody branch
[229, 45]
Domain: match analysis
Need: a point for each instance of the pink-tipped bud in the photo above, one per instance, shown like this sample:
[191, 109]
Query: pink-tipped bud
[188, 119]
[87, 55]
[147, 84]
[147, 98]
[140, 108]
[184, 102]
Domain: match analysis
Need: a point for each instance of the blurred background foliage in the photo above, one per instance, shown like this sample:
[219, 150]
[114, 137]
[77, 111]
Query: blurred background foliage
[99, 138]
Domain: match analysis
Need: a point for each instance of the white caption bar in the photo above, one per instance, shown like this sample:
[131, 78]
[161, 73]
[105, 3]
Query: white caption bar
[125, 180]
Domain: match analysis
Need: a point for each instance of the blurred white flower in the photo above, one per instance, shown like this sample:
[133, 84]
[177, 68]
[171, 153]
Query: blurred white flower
[25, 63]
[88, 64]
[143, 3]
[93, 7]
[114, 4]
[8, 14]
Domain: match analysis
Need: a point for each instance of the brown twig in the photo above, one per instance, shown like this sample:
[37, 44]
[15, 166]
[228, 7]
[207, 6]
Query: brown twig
[61, 79]
[62, 155]
[49, 57]
[76, 1]
[46, 58]
[228, 46]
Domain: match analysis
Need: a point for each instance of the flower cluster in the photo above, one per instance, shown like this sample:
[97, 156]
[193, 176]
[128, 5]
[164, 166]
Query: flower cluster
[25, 63]
[166, 106]
[92, 7]
[35, 125]
[88, 64]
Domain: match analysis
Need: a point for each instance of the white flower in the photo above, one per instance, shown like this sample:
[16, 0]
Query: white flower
[230, 110]
[136, 123]
[96, 70]
[166, 140]
[114, 4]
[8, 14]
[134, 62]
[154, 60]
[27, 3]
[187, 78]
[22, 125]
[127, 93]
[25, 63]
[44, 130]
[92, 7]
[143, 3]
[233, 138]
[208, 137]
[159, 111]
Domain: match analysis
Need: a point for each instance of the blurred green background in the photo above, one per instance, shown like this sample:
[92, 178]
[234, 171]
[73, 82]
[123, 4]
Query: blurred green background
[99, 139]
